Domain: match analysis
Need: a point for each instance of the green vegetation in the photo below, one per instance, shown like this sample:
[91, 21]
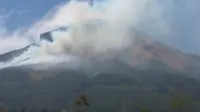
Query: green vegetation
[132, 91]
[145, 110]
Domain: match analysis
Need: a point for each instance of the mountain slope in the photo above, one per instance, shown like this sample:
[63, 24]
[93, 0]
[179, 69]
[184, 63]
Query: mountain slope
[144, 53]
[10, 55]
[106, 91]
[146, 74]
[147, 50]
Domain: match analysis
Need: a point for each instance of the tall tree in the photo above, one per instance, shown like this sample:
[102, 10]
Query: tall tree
[80, 104]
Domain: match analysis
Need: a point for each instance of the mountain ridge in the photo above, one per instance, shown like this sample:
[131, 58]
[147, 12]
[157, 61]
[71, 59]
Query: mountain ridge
[144, 53]
[142, 75]
[143, 50]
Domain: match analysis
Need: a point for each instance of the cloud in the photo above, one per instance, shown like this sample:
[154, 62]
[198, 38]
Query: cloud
[120, 14]
[121, 17]
[173, 22]
[170, 21]
[22, 12]
[183, 18]
[10, 40]
[3, 29]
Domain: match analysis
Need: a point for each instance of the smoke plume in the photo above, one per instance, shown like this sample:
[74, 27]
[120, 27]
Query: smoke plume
[119, 18]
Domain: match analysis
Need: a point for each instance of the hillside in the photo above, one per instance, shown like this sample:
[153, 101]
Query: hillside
[147, 74]
[144, 53]
[106, 91]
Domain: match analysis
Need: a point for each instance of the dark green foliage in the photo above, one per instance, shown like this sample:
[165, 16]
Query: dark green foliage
[145, 110]
[105, 91]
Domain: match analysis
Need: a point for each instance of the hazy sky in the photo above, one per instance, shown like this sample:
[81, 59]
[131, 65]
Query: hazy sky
[183, 16]
[24, 12]
[185, 25]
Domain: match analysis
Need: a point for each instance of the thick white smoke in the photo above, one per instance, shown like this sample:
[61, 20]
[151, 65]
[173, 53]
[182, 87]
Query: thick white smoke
[120, 16]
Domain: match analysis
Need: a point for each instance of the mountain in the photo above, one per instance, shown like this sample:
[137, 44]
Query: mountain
[48, 35]
[147, 52]
[195, 56]
[106, 91]
[8, 56]
[144, 53]
[147, 74]
[12, 54]
[111, 86]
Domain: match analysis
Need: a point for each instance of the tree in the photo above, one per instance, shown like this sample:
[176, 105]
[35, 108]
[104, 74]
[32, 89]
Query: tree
[81, 104]
[145, 110]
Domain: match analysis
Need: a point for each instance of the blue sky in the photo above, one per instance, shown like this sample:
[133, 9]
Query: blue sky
[182, 15]
[185, 20]
[24, 12]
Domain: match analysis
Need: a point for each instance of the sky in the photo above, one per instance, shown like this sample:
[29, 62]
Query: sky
[182, 16]
[185, 25]
[25, 12]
